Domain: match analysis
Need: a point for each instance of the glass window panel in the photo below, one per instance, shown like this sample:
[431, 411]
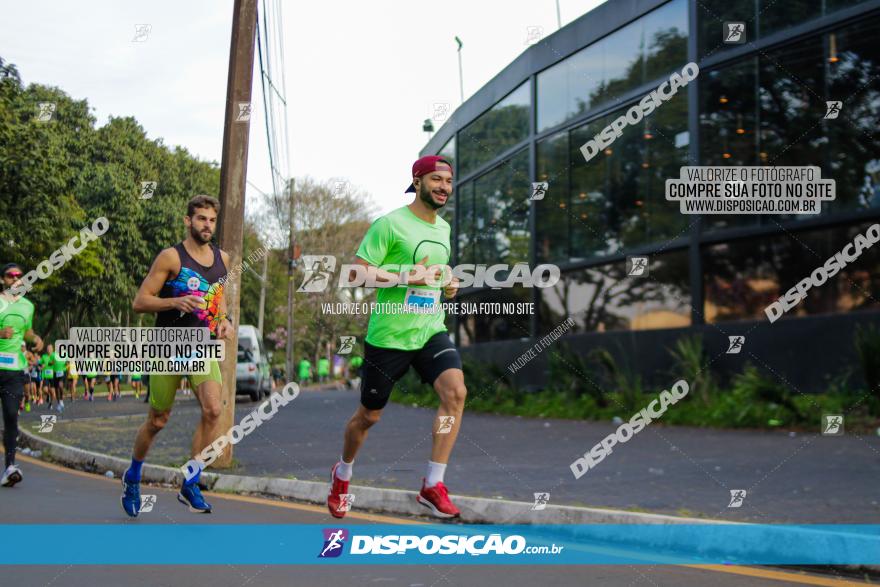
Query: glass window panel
[503, 126]
[465, 194]
[665, 39]
[552, 215]
[590, 209]
[448, 150]
[604, 298]
[623, 58]
[643, 50]
[728, 127]
[564, 90]
[775, 16]
[490, 326]
[711, 16]
[501, 212]
[852, 59]
[742, 278]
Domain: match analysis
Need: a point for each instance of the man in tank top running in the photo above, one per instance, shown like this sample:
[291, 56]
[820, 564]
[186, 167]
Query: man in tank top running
[184, 289]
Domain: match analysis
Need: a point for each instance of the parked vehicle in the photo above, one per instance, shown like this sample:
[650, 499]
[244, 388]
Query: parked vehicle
[252, 372]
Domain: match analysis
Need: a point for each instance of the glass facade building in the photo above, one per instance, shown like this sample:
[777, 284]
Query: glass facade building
[761, 102]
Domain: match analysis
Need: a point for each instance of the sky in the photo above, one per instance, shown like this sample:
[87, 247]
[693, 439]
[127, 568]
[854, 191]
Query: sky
[360, 77]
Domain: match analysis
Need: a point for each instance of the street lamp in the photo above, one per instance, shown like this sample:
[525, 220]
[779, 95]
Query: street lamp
[460, 76]
[428, 126]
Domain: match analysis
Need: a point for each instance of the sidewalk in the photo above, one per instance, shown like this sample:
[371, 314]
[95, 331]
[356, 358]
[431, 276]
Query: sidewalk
[680, 471]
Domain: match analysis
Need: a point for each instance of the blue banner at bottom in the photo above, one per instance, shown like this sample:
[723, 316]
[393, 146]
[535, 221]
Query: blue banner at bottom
[593, 544]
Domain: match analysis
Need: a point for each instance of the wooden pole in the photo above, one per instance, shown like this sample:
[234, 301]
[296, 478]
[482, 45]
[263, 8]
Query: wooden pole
[233, 175]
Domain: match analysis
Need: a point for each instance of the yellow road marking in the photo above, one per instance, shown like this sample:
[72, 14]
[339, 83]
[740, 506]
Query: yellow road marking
[735, 570]
[776, 575]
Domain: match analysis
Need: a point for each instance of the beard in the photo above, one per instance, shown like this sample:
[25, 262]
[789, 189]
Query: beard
[426, 197]
[198, 236]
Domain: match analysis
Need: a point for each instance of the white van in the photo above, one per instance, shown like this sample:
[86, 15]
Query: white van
[252, 375]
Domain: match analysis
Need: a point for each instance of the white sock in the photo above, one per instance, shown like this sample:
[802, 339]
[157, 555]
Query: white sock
[343, 471]
[435, 473]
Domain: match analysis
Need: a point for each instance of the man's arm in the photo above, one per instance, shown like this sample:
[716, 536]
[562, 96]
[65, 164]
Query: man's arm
[147, 299]
[32, 337]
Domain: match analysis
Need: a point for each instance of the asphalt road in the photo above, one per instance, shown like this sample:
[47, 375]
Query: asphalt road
[54, 495]
[799, 478]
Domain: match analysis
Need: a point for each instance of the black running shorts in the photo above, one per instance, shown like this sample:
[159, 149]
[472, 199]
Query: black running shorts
[383, 367]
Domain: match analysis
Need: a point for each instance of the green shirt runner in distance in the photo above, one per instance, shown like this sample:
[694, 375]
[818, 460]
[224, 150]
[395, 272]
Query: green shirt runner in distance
[19, 316]
[402, 238]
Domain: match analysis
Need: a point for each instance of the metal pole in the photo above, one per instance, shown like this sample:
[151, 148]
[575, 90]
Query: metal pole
[460, 75]
[233, 175]
[558, 16]
[291, 264]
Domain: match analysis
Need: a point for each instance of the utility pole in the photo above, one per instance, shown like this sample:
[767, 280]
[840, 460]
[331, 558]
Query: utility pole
[233, 175]
[291, 265]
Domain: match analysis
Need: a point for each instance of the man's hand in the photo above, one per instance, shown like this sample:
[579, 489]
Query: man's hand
[187, 304]
[420, 273]
[451, 289]
[37, 342]
[224, 330]
[6, 332]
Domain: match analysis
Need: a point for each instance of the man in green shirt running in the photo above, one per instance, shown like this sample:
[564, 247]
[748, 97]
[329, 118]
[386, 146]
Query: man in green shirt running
[47, 376]
[59, 369]
[304, 370]
[16, 326]
[412, 332]
[323, 369]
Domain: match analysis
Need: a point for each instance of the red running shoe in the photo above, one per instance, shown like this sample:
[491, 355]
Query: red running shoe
[335, 502]
[437, 499]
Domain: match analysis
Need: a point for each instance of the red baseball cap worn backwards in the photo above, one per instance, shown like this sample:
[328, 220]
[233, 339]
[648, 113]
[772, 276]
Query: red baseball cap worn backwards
[427, 164]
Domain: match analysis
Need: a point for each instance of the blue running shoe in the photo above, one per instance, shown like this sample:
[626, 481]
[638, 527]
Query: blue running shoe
[131, 496]
[190, 495]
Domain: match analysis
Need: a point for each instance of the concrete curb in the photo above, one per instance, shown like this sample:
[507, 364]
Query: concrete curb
[474, 510]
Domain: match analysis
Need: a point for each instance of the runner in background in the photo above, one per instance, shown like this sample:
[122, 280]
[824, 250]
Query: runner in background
[113, 386]
[89, 380]
[323, 369]
[47, 383]
[34, 373]
[354, 371]
[136, 384]
[59, 368]
[304, 371]
[16, 326]
[72, 377]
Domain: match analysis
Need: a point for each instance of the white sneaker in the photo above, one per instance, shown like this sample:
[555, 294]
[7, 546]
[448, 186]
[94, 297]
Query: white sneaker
[11, 476]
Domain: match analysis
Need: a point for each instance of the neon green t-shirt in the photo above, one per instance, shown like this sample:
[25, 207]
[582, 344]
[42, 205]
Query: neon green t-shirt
[356, 362]
[46, 365]
[323, 366]
[304, 368]
[58, 365]
[19, 316]
[402, 238]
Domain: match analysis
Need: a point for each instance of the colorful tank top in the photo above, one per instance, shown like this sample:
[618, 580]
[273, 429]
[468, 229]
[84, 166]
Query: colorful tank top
[194, 279]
